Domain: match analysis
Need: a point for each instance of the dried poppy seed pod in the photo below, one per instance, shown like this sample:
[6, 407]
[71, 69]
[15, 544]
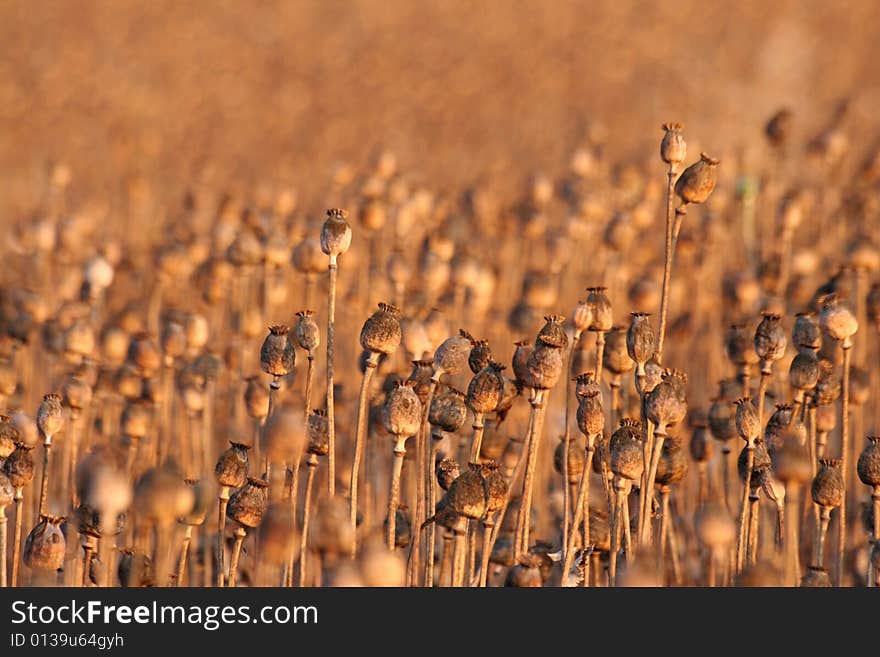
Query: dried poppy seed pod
[697, 182]
[161, 496]
[806, 331]
[50, 416]
[335, 234]
[827, 488]
[828, 387]
[446, 470]
[7, 493]
[868, 465]
[279, 538]
[673, 148]
[747, 424]
[173, 341]
[485, 388]
[626, 457]
[247, 505]
[197, 331]
[284, 436]
[277, 355]
[318, 431]
[590, 415]
[381, 332]
[760, 461]
[45, 545]
[803, 373]
[666, 404]
[673, 464]
[479, 356]
[332, 532]
[615, 355]
[521, 354]
[19, 465]
[403, 411]
[9, 436]
[128, 382]
[76, 393]
[792, 463]
[452, 354]
[136, 419]
[603, 316]
[873, 304]
[256, 398]
[306, 331]
[307, 258]
[553, 332]
[770, 339]
[448, 410]
[144, 354]
[653, 374]
[816, 577]
[422, 372]
[740, 349]
[837, 320]
[575, 460]
[232, 466]
[700, 445]
[544, 366]
[582, 316]
[466, 495]
[525, 574]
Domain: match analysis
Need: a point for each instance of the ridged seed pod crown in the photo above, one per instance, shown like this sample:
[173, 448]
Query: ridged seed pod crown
[626, 457]
[381, 332]
[446, 470]
[747, 424]
[232, 466]
[673, 147]
[306, 331]
[553, 332]
[590, 414]
[697, 182]
[467, 495]
[603, 316]
[277, 355]
[19, 465]
[50, 415]
[666, 404]
[479, 356]
[403, 411]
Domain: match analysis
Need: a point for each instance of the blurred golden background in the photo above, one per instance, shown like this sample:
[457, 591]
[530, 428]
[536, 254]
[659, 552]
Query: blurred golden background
[286, 90]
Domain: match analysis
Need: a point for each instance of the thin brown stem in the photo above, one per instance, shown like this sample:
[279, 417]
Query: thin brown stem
[741, 540]
[222, 502]
[331, 423]
[844, 447]
[566, 497]
[184, 551]
[240, 533]
[667, 261]
[372, 362]
[394, 492]
[312, 464]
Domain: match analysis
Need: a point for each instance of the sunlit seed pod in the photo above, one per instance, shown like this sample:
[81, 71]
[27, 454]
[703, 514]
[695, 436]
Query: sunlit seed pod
[196, 330]
[136, 419]
[9, 436]
[203, 498]
[770, 339]
[673, 465]
[173, 341]
[582, 316]
[79, 339]
[603, 317]
[318, 431]
[791, 463]
[816, 577]
[335, 233]
[448, 410]
[526, 573]
[467, 495]
[245, 250]
[868, 466]
[586, 385]
[161, 496]
[666, 404]
[827, 487]
[747, 425]
[19, 465]
[284, 435]
[232, 466]
[740, 348]
[446, 470]
[306, 332]
[50, 416]
[414, 337]
[247, 505]
[521, 354]
[803, 373]
[135, 569]
[626, 457]
[45, 546]
[277, 355]
[276, 250]
[114, 345]
[653, 375]
[590, 414]
[256, 398]
[553, 332]
[697, 182]
[826, 418]
[673, 147]
[485, 388]
[494, 484]
[451, 356]
[615, 357]
[420, 377]
[640, 338]
[828, 387]
[331, 533]
[7, 492]
[144, 354]
[544, 366]
[700, 445]
[837, 320]
[761, 461]
[575, 459]
[308, 257]
[402, 411]
[714, 527]
[381, 332]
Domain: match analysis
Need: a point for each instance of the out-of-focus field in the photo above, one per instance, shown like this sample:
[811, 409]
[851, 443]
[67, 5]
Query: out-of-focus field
[284, 90]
